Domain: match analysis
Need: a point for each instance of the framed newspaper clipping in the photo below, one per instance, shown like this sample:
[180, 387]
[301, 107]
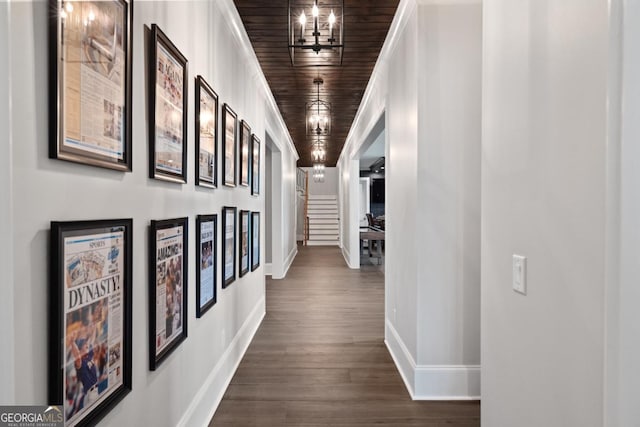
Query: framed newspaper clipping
[229, 146]
[255, 240]
[244, 243]
[167, 109]
[206, 134]
[90, 80]
[245, 145]
[228, 245]
[167, 287]
[206, 232]
[90, 317]
[255, 165]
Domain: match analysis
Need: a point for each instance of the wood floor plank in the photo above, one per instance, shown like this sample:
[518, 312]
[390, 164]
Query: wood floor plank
[319, 357]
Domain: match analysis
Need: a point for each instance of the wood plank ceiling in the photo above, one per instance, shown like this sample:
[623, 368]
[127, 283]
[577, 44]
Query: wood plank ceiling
[366, 25]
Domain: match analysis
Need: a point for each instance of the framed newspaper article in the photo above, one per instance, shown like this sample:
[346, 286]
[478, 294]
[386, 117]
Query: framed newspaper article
[206, 134]
[167, 109]
[255, 240]
[244, 243]
[90, 317]
[245, 144]
[206, 257]
[90, 82]
[167, 287]
[228, 246]
[229, 146]
[255, 165]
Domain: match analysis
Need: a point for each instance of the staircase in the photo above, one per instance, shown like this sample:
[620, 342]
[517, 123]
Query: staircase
[322, 212]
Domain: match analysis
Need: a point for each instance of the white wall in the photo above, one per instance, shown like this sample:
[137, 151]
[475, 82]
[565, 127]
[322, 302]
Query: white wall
[427, 86]
[448, 203]
[623, 294]
[329, 187]
[7, 370]
[188, 385]
[543, 196]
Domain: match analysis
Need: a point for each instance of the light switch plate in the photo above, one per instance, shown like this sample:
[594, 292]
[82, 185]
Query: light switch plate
[520, 274]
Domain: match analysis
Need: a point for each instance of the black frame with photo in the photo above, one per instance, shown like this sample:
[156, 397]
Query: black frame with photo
[200, 220]
[57, 333]
[226, 115]
[255, 249]
[228, 253]
[255, 165]
[244, 244]
[245, 155]
[155, 357]
[203, 87]
[58, 146]
[159, 39]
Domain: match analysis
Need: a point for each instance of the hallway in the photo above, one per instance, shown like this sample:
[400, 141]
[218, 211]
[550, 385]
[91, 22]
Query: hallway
[319, 356]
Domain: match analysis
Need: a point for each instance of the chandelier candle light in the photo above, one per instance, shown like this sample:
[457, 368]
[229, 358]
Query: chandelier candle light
[318, 114]
[325, 44]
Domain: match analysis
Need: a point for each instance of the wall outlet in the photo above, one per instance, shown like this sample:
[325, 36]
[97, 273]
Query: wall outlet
[520, 274]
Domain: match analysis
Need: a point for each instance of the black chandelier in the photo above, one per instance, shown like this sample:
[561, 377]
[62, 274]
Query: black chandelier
[316, 39]
[318, 114]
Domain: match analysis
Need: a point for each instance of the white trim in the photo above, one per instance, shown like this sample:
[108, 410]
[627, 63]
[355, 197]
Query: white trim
[268, 269]
[432, 382]
[235, 22]
[347, 257]
[288, 262]
[210, 395]
[401, 356]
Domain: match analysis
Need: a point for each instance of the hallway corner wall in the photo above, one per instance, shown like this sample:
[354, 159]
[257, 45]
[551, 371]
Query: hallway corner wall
[448, 204]
[427, 84]
[544, 160]
[187, 386]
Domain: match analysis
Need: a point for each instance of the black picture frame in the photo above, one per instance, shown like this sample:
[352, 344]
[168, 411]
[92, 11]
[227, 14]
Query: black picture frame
[229, 146]
[255, 240]
[206, 131]
[206, 262]
[228, 245]
[168, 269]
[255, 165]
[244, 256]
[245, 145]
[168, 72]
[107, 72]
[90, 276]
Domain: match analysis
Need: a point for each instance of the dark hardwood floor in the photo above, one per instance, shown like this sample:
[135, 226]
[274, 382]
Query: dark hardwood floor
[319, 357]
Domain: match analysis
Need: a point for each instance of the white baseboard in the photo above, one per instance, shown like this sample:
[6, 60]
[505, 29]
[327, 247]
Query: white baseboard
[207, 399]
[268, 269]
[347, 258]
[288, 262]
[432, 382]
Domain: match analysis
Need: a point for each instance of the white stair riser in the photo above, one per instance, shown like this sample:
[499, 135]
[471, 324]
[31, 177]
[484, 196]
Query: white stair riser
[323, 238]
[313, 232]
[333, 227]
[323, 222]
[322, 212]
[322, 204]
[320, 243]
[317, 197]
